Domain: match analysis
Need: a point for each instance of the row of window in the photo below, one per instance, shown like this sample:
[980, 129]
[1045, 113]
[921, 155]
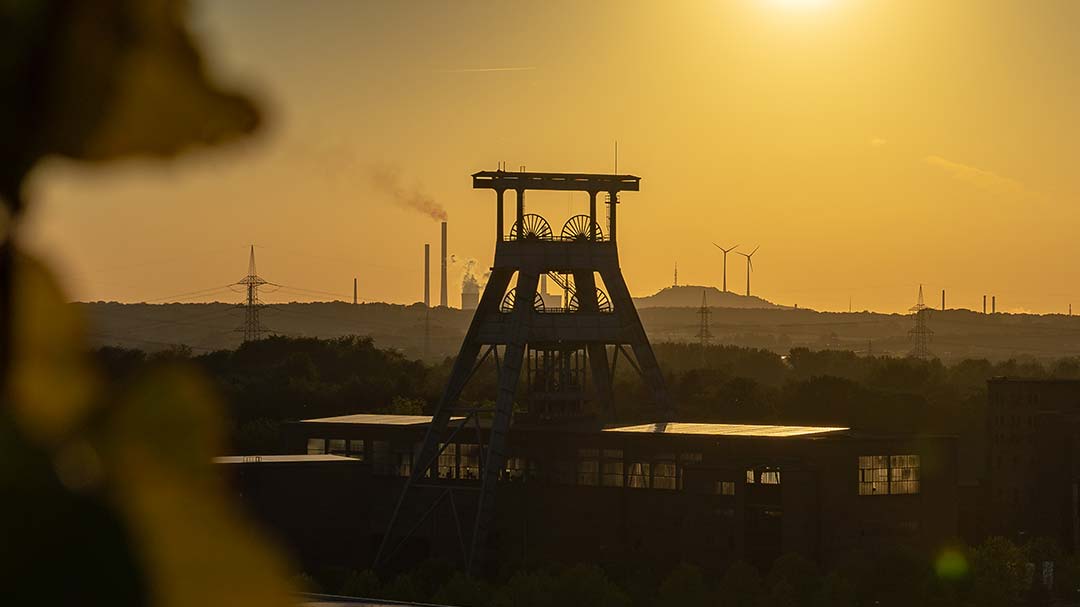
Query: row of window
[888, 474]
[878, 474]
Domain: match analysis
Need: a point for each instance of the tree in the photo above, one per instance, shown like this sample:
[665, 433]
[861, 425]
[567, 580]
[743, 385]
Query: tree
[587, 586]
[998, 573]
[683, 587]
[741, 586]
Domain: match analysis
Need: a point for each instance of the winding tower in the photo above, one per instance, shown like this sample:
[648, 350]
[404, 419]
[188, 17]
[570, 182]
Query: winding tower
[568, 354]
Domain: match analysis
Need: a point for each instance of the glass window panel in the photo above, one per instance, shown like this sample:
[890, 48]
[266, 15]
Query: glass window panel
[380, 457]
[337, 446]
[588, 472]
[470, 461]
[448, 461]
[356, 449]
[316, 446]
[638, 476]
[770, 477]
[751, 477]
[612, 474]
[664, 475]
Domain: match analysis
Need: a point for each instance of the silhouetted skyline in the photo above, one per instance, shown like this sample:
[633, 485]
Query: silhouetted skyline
[902, 142]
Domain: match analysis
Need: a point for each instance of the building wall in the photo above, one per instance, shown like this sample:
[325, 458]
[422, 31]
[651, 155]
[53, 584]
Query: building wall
[557, 512]
[1030, 460]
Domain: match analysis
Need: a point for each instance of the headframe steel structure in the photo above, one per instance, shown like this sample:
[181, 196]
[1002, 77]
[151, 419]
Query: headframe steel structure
[555, 343]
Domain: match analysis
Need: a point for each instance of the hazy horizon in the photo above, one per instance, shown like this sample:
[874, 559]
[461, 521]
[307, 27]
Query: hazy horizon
[866, 147]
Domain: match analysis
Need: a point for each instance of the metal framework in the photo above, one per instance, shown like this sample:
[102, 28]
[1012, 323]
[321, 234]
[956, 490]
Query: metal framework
[921, 334]
[253, 329]
[568, 370]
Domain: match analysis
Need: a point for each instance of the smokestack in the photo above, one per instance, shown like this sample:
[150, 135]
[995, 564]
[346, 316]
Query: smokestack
[427, 275]
[354, 301]
[984, 304]
[442, 291]
[993, 304]
[943, 300]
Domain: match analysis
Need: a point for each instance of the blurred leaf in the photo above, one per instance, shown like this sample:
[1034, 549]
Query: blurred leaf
[52, 386]
[100, 79]
[197, 547]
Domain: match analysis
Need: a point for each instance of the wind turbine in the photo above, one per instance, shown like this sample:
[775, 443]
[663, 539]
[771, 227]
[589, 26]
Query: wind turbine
[749, 266]
[726, 251]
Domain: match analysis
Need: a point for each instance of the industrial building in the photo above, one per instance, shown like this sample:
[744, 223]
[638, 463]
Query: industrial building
[570, 484]
[652, 493]
[1032, 480]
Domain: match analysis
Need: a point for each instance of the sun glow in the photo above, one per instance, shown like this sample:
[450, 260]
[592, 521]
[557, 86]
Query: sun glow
[798, 4]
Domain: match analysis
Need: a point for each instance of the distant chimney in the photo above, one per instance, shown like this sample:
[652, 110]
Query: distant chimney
[354, 300]
[984, 304]
[427, 275]
[442, 292]
[993, 304]
[943, 300]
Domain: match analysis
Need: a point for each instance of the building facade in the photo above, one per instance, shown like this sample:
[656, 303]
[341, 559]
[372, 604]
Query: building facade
[650, 494]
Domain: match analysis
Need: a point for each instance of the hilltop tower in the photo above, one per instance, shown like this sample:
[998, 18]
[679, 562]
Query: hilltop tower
[921, 334]
[703, 332]
[567, 354]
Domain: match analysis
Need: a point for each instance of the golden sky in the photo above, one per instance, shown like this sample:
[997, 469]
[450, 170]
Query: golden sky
[867, 146]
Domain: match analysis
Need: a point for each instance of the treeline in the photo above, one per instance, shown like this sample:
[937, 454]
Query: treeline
[271, 381]
[997, 573]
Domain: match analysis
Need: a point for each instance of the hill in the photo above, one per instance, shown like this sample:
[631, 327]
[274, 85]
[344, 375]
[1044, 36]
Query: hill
[958, 334]
[689, 296]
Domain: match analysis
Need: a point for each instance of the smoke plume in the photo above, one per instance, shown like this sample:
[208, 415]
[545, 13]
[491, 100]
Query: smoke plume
[469, 282]
[388, 181]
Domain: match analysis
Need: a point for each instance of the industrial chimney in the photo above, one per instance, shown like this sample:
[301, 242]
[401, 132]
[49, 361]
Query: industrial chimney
[442, 292]
[427, 275]
[354, 300]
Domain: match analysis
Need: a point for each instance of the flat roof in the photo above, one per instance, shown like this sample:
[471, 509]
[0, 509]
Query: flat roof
[577, 182]
[279, 459]
[727, 429]
[375, 418]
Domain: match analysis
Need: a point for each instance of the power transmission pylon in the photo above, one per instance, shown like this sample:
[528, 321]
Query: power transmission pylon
[703, 332]
[253, 328]
[921, 334]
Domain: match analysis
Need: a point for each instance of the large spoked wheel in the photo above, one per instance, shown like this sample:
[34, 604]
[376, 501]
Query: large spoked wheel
[577, 228]
[507, 304]
[602, 302]
[530, 227]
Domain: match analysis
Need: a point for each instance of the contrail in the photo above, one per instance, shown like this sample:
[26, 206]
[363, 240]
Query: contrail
[468, 70]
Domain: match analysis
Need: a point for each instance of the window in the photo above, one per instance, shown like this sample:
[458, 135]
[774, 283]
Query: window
[470, 461]
[873, 475]
[403, 462]
[611, 472]
[637, 476]
[724, 488]
[687, 459]
[904, 474]
[448, 460]
[664, 475]
[770, 476]
[751, 476]
[515, 469]
[380, 457]
[316, 446]
[885, 474]
[588, 468]
[337, 446]
[356, 449]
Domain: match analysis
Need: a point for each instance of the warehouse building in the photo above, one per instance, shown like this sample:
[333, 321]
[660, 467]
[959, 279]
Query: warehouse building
[651, 493]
